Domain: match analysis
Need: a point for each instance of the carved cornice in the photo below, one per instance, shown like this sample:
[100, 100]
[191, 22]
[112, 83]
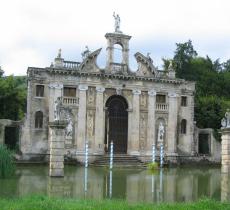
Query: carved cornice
[104, 75]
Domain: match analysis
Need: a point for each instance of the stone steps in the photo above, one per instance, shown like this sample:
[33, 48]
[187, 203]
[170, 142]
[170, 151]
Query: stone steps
[120, 160]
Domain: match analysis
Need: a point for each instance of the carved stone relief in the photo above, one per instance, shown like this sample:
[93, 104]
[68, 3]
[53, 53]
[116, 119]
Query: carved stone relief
[90, 125]
[143, 100]
[91, 96]
[143, 130]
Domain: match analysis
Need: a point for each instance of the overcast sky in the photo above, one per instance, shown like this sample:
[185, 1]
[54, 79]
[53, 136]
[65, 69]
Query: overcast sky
[33, 31]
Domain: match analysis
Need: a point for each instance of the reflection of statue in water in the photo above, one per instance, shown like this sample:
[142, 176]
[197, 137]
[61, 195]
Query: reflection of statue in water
[57, 104]
[117, 22]
[160, 132]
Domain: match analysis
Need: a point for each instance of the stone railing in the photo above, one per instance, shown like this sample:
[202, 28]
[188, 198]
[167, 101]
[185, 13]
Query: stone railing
[71, 64]
[69, 100]
[162, 107]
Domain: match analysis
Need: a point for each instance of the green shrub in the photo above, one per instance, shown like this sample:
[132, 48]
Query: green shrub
[152, 166]
[7, 166]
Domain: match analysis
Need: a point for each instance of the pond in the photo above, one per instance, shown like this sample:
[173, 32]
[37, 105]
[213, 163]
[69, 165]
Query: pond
[133, 185]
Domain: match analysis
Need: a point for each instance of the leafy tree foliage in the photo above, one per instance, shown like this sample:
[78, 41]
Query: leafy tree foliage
[12, 97]
[212, 83]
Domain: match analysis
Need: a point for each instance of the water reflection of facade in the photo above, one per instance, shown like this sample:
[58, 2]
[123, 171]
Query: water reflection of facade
[113, 103]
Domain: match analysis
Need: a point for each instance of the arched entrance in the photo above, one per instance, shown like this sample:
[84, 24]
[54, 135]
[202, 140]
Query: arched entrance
[117, 123]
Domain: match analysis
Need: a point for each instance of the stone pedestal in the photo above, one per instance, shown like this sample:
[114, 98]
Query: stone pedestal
[225, 187]
[225, 151]
[57, 148]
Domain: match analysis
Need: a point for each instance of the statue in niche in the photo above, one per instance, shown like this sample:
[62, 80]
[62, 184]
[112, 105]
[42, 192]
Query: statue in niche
[57, 109]
[161, 132]
[117, 22]
[69, 127]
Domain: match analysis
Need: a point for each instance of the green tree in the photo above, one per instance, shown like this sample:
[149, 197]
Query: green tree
[183, 55]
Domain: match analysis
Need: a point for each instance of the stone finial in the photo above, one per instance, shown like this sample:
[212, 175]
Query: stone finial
[85, 53]
[58, 61]
[149, 58]
[59, 53]
[170, 67]
[225, 122]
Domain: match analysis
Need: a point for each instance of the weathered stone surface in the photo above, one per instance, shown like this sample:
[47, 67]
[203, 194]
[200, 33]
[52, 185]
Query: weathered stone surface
[84, 89]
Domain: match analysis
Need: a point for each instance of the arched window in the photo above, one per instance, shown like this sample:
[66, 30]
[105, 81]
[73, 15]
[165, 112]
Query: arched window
[117, 53]
[38, 119]
[183, 126]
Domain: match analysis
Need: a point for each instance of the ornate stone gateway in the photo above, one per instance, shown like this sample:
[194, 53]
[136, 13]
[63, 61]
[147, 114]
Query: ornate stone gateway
[117, 123]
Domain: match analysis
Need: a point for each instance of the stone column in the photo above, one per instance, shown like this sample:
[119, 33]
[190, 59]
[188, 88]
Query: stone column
[172, 123]
[99, 122]
[57, 148]
[134, 150]
[225, 150]
[151, 121]
[81, 126]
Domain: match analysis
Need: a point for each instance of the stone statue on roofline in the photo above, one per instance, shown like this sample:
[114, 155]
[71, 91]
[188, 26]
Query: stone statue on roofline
[117, 22]
[85, 53]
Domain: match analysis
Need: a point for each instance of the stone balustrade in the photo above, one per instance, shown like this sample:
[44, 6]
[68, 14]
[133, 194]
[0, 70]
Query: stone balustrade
[162, 107]
[71, 64]
[69, 100]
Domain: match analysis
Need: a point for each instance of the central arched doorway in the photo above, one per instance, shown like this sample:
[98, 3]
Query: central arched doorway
[117, 123]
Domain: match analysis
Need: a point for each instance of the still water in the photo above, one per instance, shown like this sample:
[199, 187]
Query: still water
[133, 185]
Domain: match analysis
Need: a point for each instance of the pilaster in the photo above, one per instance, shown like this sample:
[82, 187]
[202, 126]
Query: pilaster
[134, 150]
[172, 123]
[151, 120]
[99, 122]
[81, 126]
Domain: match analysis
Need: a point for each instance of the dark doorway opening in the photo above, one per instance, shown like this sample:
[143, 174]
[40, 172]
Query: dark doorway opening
[12, 137]
[204, 144]
[116, 127]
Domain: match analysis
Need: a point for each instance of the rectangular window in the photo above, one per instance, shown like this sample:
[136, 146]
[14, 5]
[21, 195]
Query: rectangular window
[161, 99]
[69, 92]
[40, 90]
[183, 101]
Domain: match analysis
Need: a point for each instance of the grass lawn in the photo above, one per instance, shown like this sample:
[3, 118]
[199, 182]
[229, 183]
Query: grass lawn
[46, 203]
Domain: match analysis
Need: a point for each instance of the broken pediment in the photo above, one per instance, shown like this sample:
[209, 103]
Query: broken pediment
[89, 63]
[145, 66]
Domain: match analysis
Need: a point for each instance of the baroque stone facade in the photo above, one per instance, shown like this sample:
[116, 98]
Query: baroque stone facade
[109, 104]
